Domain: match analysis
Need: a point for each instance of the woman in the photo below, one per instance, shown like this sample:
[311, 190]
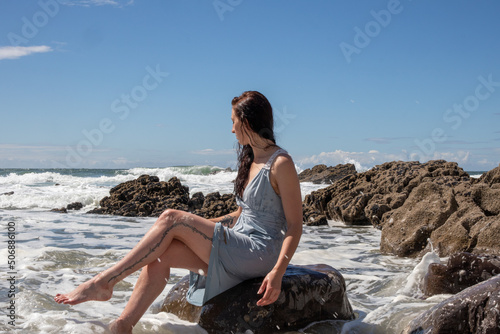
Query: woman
[258, 239]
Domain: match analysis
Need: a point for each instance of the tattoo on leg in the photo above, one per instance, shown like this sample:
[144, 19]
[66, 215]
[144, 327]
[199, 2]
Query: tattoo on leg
[227, 220]
[195, 230]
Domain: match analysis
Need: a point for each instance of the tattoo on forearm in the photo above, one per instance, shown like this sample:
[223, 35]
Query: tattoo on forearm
[195, 230]
[227, 220]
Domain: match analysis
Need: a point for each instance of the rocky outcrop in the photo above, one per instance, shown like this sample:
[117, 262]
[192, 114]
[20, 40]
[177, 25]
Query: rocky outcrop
[327, 175]
[147, 196]
[213, 205]
[474, 310]
[462, 270]
[408, 228]
[308, 294]
[71, 206]
[413, 203]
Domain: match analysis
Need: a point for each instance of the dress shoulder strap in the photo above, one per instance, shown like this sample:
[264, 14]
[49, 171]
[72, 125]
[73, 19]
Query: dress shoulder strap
[273, 157]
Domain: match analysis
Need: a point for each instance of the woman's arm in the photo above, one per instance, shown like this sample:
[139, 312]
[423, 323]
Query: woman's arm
[288, 184]
[228, 220]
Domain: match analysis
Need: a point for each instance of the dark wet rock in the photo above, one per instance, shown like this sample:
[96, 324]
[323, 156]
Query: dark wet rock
[316, 220]
[147, 196]
[462, 271]
[60, 210]
[196, 202]
[474, 310]
[327, 175]
[74, 206]
[10, 193]
[217, 205]
[309, 294]
[175, 302]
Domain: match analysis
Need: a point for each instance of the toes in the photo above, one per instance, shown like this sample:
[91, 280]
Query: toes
[61, 299]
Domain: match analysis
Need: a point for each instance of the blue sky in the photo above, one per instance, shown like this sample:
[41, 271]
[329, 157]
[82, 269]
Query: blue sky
[120, 84]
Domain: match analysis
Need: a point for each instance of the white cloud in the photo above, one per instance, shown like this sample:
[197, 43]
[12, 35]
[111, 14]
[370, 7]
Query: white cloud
[88, 3]
[362, 160]
[210, 151]
[14, 52]
[366, 160]
[461, 157]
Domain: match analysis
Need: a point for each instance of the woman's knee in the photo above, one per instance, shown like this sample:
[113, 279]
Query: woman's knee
[168, 217]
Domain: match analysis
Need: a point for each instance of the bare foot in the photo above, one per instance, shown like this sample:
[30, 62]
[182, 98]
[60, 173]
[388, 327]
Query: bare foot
[93, 289]
[120, 327]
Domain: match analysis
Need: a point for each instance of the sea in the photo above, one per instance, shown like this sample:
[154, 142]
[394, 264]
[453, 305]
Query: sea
[43, 253]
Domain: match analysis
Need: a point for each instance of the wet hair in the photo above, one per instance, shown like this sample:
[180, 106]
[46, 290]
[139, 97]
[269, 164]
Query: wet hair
[255, 113]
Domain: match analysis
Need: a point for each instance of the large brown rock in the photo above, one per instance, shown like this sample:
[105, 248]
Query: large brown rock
[460, 272]
[327, 175]
[409, 226]
[412, 203]
[363, 198]
[475, 310]
[308, 294]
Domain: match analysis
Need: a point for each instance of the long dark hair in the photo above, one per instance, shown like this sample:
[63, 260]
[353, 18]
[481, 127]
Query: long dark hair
[255, 112]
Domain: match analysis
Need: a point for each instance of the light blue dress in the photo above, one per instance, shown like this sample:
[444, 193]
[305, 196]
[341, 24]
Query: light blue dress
[249, 249]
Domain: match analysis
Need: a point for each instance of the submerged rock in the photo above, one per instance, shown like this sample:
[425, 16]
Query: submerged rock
[475, 310]
[71, 206]
[74, 206]
[308, 294]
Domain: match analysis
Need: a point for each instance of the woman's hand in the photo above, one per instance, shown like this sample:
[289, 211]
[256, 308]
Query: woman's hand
[271, 287]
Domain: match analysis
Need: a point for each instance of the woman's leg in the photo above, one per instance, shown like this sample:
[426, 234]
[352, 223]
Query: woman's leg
[194, 231]
[152, 281]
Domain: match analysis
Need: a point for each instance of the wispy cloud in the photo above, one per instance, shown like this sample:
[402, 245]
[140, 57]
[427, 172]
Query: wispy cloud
[385, 140]
[362, 160]
[210, 151]
[365, 160]
[14, 52]
[88, 3]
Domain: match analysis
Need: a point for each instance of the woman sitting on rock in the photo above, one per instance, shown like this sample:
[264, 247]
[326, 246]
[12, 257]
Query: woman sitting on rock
[257, 240]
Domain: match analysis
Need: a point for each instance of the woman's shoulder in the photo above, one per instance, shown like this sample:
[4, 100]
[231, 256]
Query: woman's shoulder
[283, 162]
